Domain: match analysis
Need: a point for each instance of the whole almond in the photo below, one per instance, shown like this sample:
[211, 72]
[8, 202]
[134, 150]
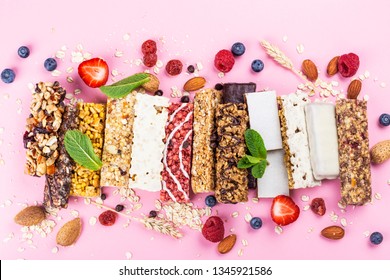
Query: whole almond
[29, 216]
[354, 89]
[310, 70]
[69, 232]
[333, 68]
[380, 152]
[227, 244]
[153, 84]
[194, 84]
[333, 232]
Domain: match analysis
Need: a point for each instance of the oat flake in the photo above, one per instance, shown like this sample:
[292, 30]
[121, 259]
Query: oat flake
[366, 233]
[305, 198]
[300, 48]
[129, 255]
[240, 252]
[343, 222]
[92, 221]
[74, 213]
[54, 250]
[378, 196]
[278, 229]
[248, 217]
[235, 214]
[383, 85]
[306, 207]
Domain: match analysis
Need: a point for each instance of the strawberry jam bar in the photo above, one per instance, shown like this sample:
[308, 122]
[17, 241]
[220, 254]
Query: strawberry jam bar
[177, 153]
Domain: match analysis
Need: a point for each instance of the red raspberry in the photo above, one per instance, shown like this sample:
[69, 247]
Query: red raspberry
[107, 218]
[150, 59]
[148, 47]
[213, 229]
[224, 61]
[174, 67]
[348, 64]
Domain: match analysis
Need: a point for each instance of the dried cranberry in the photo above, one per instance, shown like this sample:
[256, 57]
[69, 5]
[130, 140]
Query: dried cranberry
[348, 64]
[224, 61]
[318, 206]
[174, 67]
[107, 218]
[149, 47]
[150, 59]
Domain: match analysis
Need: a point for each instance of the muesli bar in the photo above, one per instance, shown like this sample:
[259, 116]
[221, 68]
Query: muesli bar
[354, 154]
[204, 140]
[85, 182]
[40, 138]
[57, 186]
[177, 153]
[118, 137]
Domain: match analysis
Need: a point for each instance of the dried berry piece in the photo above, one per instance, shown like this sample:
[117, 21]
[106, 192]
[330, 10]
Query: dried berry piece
[150, 59]
[174, 67]
[152, 214]
[107, 218]
[318, 206]
[348, 64]
[213, 229]
[149, 47]
[224, 61]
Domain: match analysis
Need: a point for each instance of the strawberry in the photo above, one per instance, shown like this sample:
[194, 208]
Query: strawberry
[94, 72]
[284, 211]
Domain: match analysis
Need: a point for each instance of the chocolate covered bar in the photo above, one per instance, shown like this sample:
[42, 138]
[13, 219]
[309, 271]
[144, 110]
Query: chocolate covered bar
[354, 154]
[234, 92]
[41, 138]
[177, 153]
[118, 137]
[204, 140]
[57, 186]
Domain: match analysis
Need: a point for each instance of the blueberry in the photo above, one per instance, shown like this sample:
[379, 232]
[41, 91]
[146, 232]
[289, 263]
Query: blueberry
[256, 223]
[50, 64]
[218, 87]
[376, 238]
[8, 76]
[103, 196]
[384, 119]
[158, 92]
[152, 214]
[23, 52]
[210, 201]
[185, 99]
[257, 65]
[238, 49]
[191, 69]
[119, 208]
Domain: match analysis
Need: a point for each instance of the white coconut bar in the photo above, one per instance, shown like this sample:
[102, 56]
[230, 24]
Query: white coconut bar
[294, 135]
[322, 133]
[150, 117]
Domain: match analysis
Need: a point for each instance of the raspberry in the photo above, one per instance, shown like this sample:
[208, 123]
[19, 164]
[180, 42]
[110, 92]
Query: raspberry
[213, 229]
[148, 47]
[107, 218]
[348, 64]
[224, 61]
[150, 59]
[174, 67]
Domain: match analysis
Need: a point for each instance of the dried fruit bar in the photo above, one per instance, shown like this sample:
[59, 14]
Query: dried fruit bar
[151, 115]
[204, 140]
[231, 182]
[85, 182]
[295, 140]
[40, 138]
[354, 154]
[177, 153]
[118, 137]
[57, 186]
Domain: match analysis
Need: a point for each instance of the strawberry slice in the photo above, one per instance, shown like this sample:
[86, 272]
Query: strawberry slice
[284, 211]
[94, 72]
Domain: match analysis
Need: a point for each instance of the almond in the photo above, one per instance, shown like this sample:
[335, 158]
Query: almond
[333, 68]
[354, 89]
[153, 85]
[380, 152]
[227, 244]
[69, 232]
[310, 70]
[194, 84]
[29, 216]
[333, 232]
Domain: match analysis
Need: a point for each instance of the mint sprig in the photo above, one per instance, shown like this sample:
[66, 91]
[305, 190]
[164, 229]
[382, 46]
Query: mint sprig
[125, 86]
[257, 160]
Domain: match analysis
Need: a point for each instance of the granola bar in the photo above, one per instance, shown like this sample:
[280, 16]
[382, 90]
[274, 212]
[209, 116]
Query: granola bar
[204, 140]
[57, 186]
[231, 182]
[118, 137]
[354, 154]
[40, 138]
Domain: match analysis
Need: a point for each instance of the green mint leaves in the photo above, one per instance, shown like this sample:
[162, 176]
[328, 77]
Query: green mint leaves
[79, 147]
[125, 86]
[257, 160]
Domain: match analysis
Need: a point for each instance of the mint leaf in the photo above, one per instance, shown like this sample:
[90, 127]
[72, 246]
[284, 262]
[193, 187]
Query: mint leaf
[253, 159]
[259, 169]
[79, 147]
[125, 86]
[255, 144]
[244, 163]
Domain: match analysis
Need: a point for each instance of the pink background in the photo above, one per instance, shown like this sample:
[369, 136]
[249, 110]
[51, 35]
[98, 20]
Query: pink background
[194, 31]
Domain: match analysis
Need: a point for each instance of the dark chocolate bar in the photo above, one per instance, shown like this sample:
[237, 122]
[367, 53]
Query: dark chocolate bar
[234, 92]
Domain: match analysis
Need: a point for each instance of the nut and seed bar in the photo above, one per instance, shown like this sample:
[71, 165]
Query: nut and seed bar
[40, 138]
[231, 182]
[85, 182]
[354, 153]
[118, 137]
[204, 140]
[177, 153]
[57, 186]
